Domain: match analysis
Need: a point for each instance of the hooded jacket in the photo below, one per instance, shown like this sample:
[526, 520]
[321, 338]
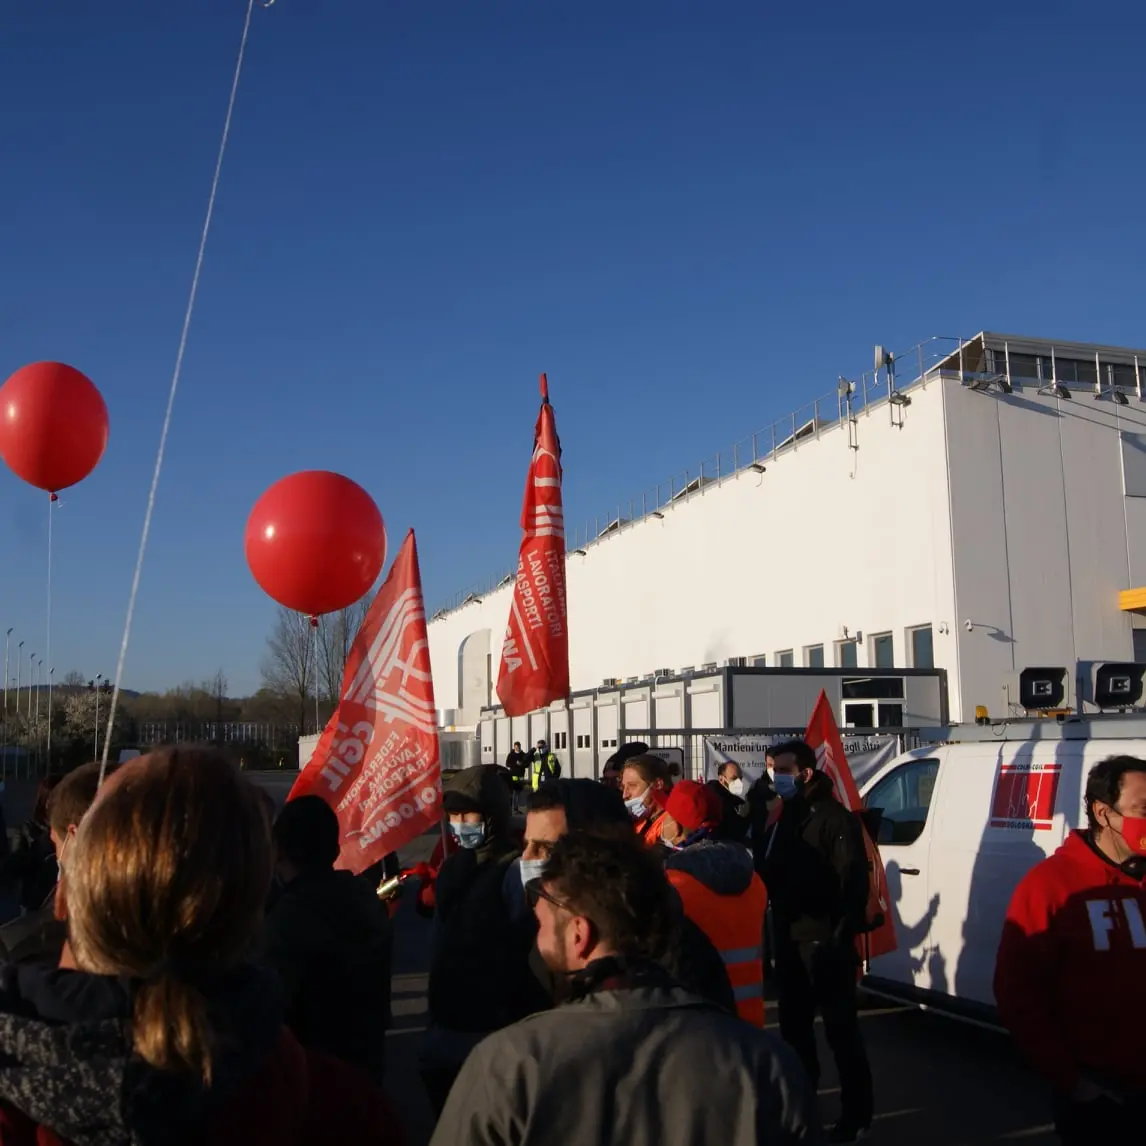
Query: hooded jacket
[816, 868]
[68, 1075]
[1070, 978]
[725, 898]
[647, 1064]
[479, 968]
[330, 940]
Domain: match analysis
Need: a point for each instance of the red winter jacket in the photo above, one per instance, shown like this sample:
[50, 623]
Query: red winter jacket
[1070, 980]
[297, 1098]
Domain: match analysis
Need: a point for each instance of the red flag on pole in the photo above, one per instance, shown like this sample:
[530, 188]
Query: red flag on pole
[377, 761]
[823, 735]
[535, 656]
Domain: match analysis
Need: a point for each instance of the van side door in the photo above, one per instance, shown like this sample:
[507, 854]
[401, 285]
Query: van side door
[905, 795]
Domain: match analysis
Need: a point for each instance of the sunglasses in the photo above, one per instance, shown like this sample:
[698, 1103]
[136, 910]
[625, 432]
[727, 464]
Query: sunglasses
[535, 892]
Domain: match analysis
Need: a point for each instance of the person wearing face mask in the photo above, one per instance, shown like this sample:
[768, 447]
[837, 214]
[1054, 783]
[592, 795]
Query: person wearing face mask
[641, 777]
[815, 867]
[583, 805]
[730, 788]
[719, 889]
[479, 958]
[1070, 977]
[630, 1057]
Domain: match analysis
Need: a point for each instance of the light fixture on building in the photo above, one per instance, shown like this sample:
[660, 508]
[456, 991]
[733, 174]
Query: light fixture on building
[982, 383]
[1118, 397]
[1056, 390]
[759, 467]
[1042, 688]
[578, 552]
[1118, 685]
[898, 398]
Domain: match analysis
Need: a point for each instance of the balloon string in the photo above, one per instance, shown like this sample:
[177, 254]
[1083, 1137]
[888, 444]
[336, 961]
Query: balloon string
[48, 637]
[174, 387]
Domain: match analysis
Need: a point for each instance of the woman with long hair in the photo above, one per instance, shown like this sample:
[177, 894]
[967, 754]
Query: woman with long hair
[164, 1031]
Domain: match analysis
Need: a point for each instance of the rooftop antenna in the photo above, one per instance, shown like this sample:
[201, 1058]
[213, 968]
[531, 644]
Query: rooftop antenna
[897, 402]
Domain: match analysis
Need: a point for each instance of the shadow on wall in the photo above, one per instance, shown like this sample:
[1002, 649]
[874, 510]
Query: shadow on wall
[1011, 844]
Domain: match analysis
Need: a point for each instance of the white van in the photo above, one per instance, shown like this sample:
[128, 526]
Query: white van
[962, 823]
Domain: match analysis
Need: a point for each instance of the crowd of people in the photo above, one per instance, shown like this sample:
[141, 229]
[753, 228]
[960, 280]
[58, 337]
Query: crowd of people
[190, 967]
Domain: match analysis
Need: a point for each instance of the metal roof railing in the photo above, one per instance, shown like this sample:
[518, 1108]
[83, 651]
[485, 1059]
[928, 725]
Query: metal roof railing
[913, 367]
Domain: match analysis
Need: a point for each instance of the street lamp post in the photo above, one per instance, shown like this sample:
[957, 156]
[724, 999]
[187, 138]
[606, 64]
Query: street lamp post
[4, 746]
[98, 680]
[19, 673]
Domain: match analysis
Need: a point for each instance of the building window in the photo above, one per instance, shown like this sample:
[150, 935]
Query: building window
[922, 647]
[758, 662]
[786, 659]
[582, 740]
[882, 651]
[561, 740]
[814, 656]
[847, 655]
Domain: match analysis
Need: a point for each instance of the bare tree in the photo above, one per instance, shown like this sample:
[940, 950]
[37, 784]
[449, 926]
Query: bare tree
[73, 680]
[336, 633]
[289, 666]
[216, 688]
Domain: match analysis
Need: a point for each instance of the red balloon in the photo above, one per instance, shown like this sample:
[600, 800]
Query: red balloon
[315, 542]
[53, 425]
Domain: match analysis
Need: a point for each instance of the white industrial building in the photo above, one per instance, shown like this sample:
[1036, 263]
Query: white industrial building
[974, 506]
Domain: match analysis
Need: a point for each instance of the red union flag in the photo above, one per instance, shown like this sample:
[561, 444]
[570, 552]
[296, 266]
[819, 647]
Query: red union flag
[535, 657]
[377, 762]
[823, 736]
[1025, 795]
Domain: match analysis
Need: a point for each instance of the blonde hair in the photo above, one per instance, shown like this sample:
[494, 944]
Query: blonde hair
[167, 881]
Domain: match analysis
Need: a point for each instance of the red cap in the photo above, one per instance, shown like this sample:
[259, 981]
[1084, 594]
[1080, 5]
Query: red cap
[692, 805]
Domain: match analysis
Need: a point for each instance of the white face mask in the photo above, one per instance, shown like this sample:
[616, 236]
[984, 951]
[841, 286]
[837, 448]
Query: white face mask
[736, 787]
[531, 870]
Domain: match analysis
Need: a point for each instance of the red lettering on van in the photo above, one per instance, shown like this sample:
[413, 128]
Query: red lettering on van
[1025, 795]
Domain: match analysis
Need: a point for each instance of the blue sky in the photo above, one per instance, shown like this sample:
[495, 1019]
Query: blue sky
[694, 216]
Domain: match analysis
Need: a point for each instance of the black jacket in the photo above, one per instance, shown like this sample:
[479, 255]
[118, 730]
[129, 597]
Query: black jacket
[330, 939]
[479, 965]
[37, 937]
[68, 1062]
[517, 764]
[816, 868]
[736, 816]
[33, 865]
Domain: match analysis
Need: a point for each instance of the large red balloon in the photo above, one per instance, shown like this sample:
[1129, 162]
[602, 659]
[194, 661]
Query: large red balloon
[315, 542]
[53, 425]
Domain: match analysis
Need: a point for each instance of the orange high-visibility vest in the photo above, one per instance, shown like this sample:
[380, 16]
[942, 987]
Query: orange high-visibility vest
[649, 829]
[734, 925]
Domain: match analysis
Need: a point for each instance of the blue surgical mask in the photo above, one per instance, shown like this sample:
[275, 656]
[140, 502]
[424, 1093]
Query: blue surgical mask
[785, 785]
[469, 836]
[636, 805]
[530, 870]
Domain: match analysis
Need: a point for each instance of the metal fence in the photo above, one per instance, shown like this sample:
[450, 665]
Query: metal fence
[690, 742]
[272, 736]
